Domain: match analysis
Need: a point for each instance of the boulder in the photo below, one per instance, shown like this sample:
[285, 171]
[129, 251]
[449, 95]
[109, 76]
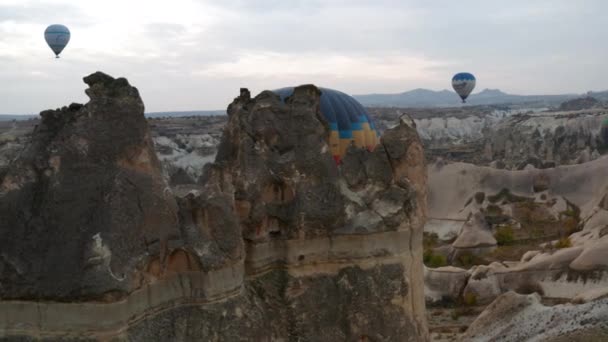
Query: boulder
[593, 257]
[475, 233]
[444, 283]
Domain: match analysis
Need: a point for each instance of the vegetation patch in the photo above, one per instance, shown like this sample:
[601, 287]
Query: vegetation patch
[512, 252]
[534, 215]
[504, 235]
[434, 260]
[467, 260]
[563, 243]
[470, 299]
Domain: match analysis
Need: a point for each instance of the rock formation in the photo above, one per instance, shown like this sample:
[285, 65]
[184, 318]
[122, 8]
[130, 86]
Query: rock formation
[85, 203]
[514, 139]
[275, 242]
[579, 104]
[561, 207]
[513, 317]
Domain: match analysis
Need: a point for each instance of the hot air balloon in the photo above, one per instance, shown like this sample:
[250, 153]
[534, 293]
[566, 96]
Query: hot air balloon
[349, 122]
[57, 37]
[463, 83]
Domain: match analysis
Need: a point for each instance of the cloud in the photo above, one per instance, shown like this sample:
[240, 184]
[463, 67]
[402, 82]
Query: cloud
[30, 12]
[261, 64]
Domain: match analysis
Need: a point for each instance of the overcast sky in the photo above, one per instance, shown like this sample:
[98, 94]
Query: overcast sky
[195, 54]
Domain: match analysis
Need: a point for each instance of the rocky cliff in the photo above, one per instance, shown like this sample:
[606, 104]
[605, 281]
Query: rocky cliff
[275, 242]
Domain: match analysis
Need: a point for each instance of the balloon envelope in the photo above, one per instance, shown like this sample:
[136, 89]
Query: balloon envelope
[349, 122]
[463, 83]
[57, 37]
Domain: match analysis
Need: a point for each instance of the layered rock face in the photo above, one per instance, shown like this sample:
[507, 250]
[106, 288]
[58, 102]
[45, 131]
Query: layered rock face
[275, 242]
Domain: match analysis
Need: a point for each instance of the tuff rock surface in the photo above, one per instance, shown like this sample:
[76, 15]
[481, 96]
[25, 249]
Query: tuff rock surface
[513, 139]
[274, 242]
[84, 203]
[514, 317]
[558, 204]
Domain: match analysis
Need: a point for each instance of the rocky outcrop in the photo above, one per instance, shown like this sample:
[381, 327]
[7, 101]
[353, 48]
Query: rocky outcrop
[513, 317]
[514, 140]
[579, 104]
[444, 283]
[85, 203]
[185, 144]
[275, 242]
[475, 233]
[546, 140]
[560, 210]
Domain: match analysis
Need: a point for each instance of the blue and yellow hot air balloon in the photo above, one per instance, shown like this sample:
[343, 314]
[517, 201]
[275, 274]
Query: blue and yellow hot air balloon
[463, 83]
[348, 121]
[57, 37]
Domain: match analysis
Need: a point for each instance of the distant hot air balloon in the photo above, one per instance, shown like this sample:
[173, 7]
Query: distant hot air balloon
[57, 36]
[463, 83]
[349, 123]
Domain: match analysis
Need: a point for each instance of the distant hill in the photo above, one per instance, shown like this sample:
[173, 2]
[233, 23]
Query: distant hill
[186, 113]
[446, 98]
[600, 95]
[11, 117]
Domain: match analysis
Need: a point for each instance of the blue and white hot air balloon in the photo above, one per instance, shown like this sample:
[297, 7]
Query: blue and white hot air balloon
[57, 36]
[349, 122]
[463, 83]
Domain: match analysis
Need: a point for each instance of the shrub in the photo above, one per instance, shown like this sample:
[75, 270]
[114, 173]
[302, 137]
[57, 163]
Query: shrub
[569, 213]
[430, 259]
[468, 259]
[504, 235]
[434, 260]
[470, 299]
[570, 225]
[563, 243]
